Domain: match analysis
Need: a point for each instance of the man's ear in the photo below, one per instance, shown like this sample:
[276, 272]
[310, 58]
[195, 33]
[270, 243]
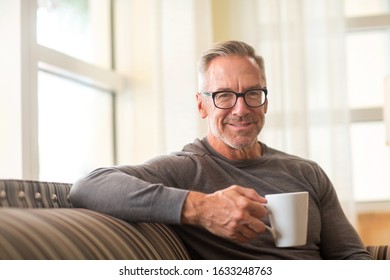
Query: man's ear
[201, 105]
[265, 106]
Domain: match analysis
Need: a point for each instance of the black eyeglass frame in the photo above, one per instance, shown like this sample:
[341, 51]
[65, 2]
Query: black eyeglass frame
[237, 94]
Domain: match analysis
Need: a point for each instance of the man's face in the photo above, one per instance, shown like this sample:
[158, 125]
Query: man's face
[239, 126]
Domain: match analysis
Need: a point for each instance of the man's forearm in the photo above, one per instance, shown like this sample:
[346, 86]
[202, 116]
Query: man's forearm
[124, 196]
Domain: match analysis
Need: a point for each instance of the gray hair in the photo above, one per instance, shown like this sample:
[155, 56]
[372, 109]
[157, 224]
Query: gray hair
[225, 49]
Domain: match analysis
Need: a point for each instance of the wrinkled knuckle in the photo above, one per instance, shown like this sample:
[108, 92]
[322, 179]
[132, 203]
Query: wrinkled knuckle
[243, 203]
[234, 187]
[234, 223]
[237, 216]
[218, 192]
[253, 192]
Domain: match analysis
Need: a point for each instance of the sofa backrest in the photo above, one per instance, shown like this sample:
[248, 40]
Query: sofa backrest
[57, 231]
[34, 194]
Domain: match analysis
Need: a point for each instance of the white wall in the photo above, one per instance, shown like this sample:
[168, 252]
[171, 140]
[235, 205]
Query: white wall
[10, 98]
[18, 116]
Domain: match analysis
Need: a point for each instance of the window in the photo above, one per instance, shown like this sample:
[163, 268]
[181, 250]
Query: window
[75, 112]
[368, 63]
[79, 28]
[368, 70]
[59, 92]
[356, 8]
[75, 128]
[371, 161]
[76, 106]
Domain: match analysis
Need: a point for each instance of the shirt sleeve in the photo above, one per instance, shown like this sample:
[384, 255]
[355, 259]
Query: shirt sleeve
[143, 193]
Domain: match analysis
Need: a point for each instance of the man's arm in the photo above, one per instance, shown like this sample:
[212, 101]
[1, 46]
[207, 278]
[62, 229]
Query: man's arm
[133, 194]
[124, 192]
[339, 239]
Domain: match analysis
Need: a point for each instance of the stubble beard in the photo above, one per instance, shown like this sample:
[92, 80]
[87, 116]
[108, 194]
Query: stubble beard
[239, 140]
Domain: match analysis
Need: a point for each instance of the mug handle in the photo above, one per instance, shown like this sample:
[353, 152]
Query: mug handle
[272, 231]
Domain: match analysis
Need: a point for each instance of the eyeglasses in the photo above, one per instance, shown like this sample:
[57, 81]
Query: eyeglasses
[226, 99]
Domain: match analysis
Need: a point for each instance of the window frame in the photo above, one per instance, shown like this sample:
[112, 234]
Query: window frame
[36, 58]
[363, 23]
[369, 114]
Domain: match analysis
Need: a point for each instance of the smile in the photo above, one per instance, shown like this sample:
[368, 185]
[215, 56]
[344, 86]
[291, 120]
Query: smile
[240, 124]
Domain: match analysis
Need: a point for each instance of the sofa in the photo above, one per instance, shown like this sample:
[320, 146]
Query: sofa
[38, 222]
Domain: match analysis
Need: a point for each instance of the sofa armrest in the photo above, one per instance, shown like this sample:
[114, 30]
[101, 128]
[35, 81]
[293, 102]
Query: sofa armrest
[72, 233]
[34, 194]
[379, 252]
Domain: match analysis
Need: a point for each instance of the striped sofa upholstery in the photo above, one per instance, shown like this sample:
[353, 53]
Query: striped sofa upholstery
[37, 221]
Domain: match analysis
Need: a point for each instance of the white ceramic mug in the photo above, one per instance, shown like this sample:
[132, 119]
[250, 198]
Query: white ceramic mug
[288, 214]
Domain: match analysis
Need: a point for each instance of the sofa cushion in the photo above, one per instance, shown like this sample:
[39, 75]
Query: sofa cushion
[34, 194]
[72, 233]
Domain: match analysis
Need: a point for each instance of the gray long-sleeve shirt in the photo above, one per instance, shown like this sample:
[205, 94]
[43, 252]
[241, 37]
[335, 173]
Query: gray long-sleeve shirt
[155, 192]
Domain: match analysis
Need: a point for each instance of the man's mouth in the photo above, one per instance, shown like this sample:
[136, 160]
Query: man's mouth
[240, 124]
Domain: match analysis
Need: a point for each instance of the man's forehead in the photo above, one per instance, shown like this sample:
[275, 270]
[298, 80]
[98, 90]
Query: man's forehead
[227, 59]
[233, 66]
[223, 71]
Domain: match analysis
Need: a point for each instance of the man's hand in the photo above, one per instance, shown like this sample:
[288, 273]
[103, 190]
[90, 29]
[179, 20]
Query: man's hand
[234, 213]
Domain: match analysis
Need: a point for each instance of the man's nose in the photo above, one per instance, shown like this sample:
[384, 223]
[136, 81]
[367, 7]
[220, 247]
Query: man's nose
[240, 107]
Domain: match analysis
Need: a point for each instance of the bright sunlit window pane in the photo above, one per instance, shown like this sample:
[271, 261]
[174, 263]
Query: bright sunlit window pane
[368, 63]
[366, 7]
[75, 128]
[79, 28]
[371, 162]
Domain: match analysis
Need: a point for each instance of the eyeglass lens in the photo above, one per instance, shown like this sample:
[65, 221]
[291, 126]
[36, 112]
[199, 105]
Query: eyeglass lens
[225, 100]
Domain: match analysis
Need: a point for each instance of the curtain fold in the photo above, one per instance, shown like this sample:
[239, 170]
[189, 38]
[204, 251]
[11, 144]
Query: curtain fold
[302, 42]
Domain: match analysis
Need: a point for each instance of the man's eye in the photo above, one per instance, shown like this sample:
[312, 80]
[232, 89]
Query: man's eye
[254, 93]
[225, 95]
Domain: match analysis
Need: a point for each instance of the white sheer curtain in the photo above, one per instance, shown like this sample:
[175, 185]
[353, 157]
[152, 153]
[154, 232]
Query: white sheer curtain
[158, 44]
[186, 31]
[302, 42]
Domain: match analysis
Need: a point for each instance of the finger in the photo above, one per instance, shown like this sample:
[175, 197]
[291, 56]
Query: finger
[251, 231]
[249, 193]
[240, 235]
[257, 226]
[257, 210]
[240, 238]
[247, 200]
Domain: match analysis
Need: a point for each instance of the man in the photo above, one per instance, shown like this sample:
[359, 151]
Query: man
[212, 192]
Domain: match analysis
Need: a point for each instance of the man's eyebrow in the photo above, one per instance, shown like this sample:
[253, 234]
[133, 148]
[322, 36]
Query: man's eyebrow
[246, 89]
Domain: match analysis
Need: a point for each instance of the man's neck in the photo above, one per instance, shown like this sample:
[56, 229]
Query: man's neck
[253, 151]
